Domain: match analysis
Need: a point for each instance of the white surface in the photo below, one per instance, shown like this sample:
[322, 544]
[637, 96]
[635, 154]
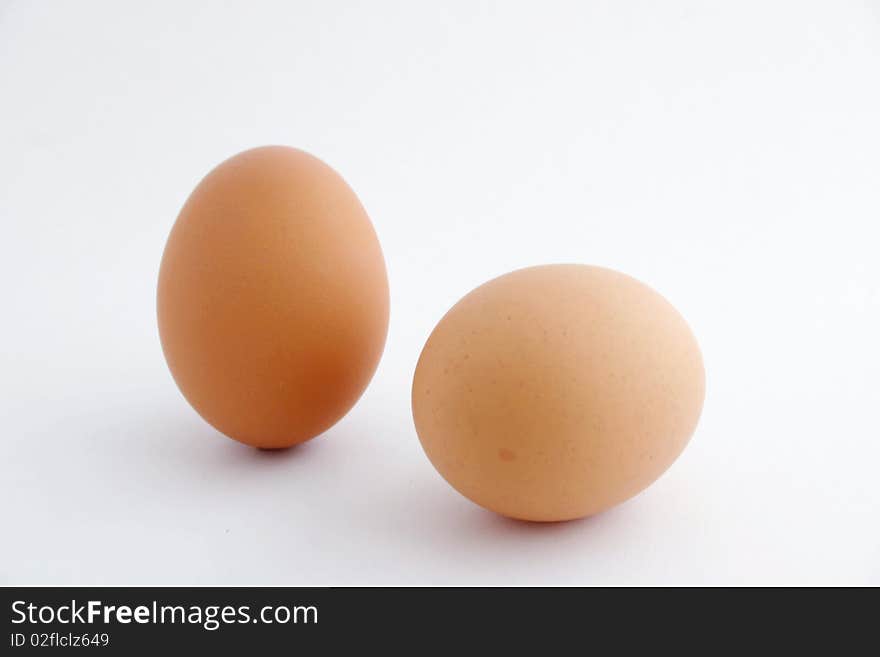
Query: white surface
[724, 152]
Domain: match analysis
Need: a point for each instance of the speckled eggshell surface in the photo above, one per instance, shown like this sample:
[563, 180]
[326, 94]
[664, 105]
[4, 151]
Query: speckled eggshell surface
[555, 392]
[272, 298]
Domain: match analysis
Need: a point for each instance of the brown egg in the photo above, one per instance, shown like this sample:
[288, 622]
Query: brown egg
[273, 298]
[556, 392]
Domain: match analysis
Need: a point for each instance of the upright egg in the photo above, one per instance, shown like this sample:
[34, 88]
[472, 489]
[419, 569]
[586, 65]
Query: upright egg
[555, 392]
[272, 298]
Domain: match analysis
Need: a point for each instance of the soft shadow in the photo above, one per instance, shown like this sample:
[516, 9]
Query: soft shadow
[426, 511]
[174, 442]
[513, 526]
[136, 448]
[272, 454]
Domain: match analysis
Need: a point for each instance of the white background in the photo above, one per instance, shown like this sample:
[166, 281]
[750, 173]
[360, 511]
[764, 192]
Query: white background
[727, 153]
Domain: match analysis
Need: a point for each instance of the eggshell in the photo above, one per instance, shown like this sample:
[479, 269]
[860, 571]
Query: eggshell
[272, 298]
[555, 392]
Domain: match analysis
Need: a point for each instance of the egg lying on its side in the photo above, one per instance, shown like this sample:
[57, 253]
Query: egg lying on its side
[556, 392]
[272, 298]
